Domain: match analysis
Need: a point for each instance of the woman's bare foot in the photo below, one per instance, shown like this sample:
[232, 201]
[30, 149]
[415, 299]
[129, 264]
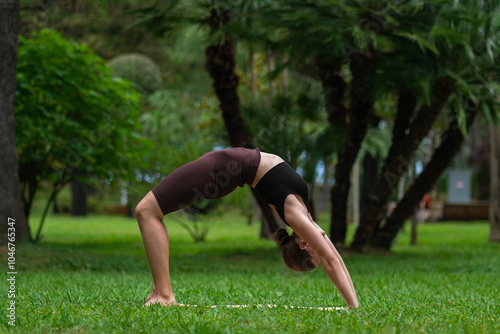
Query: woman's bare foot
[155, 299]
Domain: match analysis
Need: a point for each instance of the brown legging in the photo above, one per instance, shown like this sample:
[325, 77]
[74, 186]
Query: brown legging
[214, 175]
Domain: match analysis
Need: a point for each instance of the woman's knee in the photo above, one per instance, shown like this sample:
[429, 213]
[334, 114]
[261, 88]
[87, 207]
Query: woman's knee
[148, 207]
[140, 211]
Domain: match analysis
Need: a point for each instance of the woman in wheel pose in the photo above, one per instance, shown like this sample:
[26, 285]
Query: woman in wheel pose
[216, 174]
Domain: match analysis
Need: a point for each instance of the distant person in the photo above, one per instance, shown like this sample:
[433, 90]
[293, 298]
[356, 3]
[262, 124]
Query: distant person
[216, 174]
[424, 209]
[427, 201]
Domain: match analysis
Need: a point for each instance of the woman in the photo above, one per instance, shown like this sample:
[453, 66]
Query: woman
[216, 174]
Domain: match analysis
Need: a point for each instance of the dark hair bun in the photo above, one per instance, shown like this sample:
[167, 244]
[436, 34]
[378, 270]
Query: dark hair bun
[281, 236]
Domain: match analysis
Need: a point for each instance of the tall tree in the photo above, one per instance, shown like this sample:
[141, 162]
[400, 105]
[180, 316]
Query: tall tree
[459, 41]
[220, 63]
[462, 68]
[452, 139]
[334, 87]
[10, 194]
[398, 163]
[361, 106]
[370, 168]
[324, 31]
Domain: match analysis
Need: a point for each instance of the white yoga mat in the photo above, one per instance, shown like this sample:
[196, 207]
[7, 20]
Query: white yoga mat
[321, 308]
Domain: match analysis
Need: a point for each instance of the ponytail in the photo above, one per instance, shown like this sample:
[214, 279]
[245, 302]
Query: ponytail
[295, 258]
[281, 237]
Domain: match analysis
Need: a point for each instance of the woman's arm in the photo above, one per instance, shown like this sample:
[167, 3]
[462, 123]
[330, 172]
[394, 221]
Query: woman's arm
[330, 259]
[336, 253]
[344, 268]
[334, 268]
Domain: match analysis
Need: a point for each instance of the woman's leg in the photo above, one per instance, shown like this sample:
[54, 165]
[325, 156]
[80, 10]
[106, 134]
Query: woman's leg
[155, 238]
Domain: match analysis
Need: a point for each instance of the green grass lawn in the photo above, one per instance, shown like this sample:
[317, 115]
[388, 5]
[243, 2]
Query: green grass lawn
[92, 275]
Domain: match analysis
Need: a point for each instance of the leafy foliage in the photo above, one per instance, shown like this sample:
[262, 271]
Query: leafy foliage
[71, 113]
[291, 125]
[410, 44]
[183, 127]
[139, 69]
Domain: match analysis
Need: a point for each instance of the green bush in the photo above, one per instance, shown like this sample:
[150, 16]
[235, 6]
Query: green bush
[141, 70]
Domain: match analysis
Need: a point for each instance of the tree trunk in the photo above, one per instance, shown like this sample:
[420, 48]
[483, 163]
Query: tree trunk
[407, 102]
[370, 170]
[370, 173]
[494, 183]
[79, 195]
[355, 192]
[361, 66]
[312, 201]
[29, 186]
[11, 206]
[398, 161]
[440, 160]
[220, 62]
[269, 222]
[325, 189]
[414, 231]
[53, 195]
[334, 86]
[416, 209]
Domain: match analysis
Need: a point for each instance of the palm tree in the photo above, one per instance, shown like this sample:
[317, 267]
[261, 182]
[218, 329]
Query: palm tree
[11, 208]
[397, 164]
[220, 63]
[323, 32]
[441, 158]
[462, 64]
